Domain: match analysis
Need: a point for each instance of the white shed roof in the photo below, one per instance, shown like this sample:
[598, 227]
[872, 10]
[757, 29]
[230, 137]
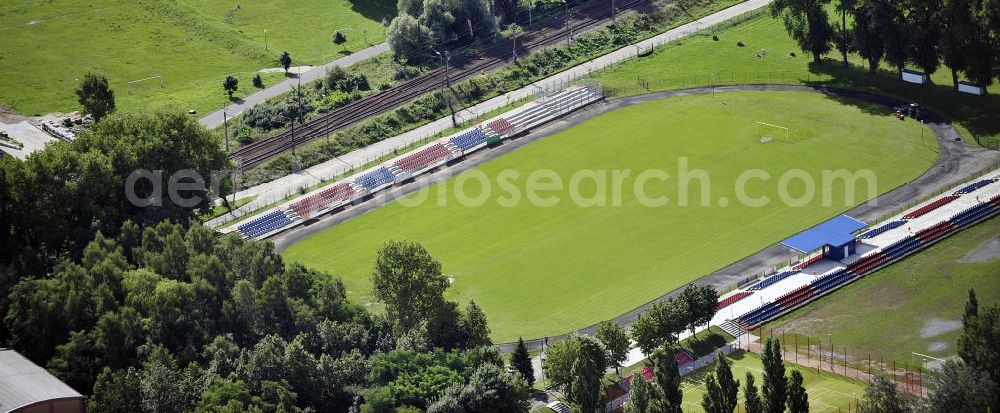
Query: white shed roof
[24, 383]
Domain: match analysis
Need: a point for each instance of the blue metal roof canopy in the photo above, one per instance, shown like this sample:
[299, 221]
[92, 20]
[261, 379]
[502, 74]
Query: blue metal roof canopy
[835, 232]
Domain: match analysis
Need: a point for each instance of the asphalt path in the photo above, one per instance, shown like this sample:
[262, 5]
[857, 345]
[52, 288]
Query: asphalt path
[956, 163]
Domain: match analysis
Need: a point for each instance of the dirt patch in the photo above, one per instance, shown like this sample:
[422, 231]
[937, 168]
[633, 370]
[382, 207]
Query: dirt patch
[293, 69]
[989, 251]
[936, 327]
[937, 346]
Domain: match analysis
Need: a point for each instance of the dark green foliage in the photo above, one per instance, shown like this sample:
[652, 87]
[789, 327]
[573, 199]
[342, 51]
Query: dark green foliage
[615, 340]
[668, 377]
[96, 96]
[711, 400]
[642, 397]
[490, 389]
[58, 198]
[584, 391]
[257, 81]
[798, 399]
[664, 321]
[728, 386]
[808, 24]
[409, 282]
[957, 387]
[751, 398]
[977, 344]
[230, 85]
[339, 38]
[520, 361]
[286, 61]
[882, 396]
[775, 388]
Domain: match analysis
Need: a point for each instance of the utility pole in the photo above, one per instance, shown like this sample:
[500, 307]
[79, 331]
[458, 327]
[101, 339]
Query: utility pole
[566, 22]
[225, 127]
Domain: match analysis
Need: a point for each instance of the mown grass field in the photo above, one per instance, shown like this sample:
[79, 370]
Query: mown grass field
[699, 60]
[828, 392]
[50, 45]
[915, 305]
[545, 270]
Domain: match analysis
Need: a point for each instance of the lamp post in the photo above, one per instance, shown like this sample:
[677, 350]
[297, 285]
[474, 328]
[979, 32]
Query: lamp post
[265, 39]
[445, 60]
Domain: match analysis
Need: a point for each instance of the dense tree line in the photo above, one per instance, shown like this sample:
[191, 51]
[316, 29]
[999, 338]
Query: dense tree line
[963, 34]
[168, 318]
[423, 25]
[664, 321]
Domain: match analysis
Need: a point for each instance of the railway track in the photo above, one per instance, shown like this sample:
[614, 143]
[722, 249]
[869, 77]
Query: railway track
[551, 32]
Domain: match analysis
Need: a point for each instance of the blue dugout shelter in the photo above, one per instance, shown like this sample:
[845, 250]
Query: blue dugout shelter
[835, 237]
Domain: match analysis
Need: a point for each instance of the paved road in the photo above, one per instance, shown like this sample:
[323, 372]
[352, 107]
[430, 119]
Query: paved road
[215, 119]
[957, 161]
[274, 191]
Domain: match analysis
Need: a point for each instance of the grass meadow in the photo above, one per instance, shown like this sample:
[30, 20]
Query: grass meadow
[914, 305]
[699, 60]
[50, 45]
[583, 264]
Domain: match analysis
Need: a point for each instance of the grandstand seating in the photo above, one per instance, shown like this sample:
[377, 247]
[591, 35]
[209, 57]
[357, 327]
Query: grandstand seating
[501, 126]
[831, 280]
[262, 225]
[769, 281]
[868, 263]
[424, 158]
[470, 139]
[810, 261]
[936, 231]
[332, 197]
[973, 214]
[938, 203]
[878, 231]
[902, 247]
[682, 358]
[974, 186]
[794, 297]
[376, 178]
[759, 314]
[734, 298]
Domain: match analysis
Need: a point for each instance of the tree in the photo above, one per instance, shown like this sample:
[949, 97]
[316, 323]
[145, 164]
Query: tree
[727, 384]
[894, 32]
[474, 327]
[751, 397]
[615, 340]
[230, 84]
[668, 377]
[286, 61]
[711, 401]
[844, 44]
[798, 399]
[339, 38]
[868, 39]
[775, 387]
[116, 392]
[412, 8]
[959, 388]
[584, 390]
[96, 96]
[409, 282]
[807, 23]
[923, 23]
[982, 61]
[520, 361]
[957, 28]
[257, 81]
[490, 390]
[659, 325]
[977, 344]
[410, 40]
[881, 396]
[642, 396]
[576, 366]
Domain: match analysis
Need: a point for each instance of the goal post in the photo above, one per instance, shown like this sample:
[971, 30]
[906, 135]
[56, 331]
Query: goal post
[763, 130]
[138, 83]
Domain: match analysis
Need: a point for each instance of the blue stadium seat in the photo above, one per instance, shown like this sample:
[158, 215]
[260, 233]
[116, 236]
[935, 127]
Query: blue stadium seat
[264, 224]
[376, 178]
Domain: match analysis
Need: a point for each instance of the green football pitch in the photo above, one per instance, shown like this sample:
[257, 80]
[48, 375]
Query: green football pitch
[540, 269]
[828, 392]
